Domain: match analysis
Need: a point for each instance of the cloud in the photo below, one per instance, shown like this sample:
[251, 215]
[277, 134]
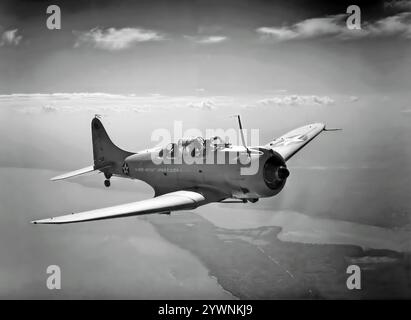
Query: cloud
[10, 38]
[335, 27]
[398, 25]
[402, 5]
[207, 39]
[283, 33]
[49, 108]
[353, 98]
[105, 103]
[116, 39]
[296, 100]
[306, 29]
[373, 259]
[202, 105]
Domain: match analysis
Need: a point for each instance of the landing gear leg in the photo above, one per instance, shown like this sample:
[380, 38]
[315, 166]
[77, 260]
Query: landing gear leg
[107, 181]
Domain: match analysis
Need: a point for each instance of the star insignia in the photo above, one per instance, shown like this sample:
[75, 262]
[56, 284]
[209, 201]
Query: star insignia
[289, 140]
[125, 168]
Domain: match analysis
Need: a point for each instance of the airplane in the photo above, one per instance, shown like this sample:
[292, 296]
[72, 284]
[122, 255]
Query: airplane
[185, 186]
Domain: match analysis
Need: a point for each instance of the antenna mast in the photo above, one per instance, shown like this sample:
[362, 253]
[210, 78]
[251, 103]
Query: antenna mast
[242, 133]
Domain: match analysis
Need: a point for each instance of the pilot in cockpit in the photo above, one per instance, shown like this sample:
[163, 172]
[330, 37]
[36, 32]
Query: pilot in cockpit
[193, 146]
[196, 147]
[217, 143]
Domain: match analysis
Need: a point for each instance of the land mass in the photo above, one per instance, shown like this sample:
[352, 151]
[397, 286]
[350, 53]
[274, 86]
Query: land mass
[255, 264]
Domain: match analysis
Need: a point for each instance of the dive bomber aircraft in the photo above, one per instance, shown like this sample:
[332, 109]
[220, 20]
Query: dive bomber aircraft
[186, 186]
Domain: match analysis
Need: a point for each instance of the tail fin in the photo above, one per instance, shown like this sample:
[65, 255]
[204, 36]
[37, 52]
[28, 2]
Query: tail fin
[105, 152]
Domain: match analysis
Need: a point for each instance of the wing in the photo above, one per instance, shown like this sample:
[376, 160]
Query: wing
[179, 200]
[290, 143]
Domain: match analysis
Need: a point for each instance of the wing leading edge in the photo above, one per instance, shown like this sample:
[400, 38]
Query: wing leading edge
[179, 200]
[289, 144]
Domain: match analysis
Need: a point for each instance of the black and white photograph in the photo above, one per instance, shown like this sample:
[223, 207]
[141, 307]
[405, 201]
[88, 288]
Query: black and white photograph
[224, 150]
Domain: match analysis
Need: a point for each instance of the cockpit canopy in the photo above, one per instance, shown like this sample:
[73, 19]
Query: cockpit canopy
[197, 146]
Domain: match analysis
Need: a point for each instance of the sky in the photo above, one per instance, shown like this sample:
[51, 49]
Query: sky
[219, 47]
[142, 65]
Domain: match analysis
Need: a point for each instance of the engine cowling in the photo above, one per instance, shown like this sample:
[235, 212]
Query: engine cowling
[275, 172]
[270, 178]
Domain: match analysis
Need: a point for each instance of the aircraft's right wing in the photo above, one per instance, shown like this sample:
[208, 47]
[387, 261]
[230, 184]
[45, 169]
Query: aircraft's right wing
[290, 143]
[178, 200]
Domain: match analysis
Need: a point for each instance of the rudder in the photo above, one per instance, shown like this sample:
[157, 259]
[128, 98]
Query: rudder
[105, 152]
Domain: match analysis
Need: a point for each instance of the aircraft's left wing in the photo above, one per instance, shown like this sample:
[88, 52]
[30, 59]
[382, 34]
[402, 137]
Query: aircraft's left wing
[290, 143]
[178, 200]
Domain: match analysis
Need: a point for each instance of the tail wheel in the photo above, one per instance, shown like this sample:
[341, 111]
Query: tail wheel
[107, 183]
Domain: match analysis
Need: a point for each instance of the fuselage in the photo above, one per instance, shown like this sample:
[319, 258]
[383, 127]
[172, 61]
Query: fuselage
[230, 173]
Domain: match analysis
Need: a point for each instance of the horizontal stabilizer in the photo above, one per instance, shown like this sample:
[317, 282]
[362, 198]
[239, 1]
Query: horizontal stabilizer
[77, 173]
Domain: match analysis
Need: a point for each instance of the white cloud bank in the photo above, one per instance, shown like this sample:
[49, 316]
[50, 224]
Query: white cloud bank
[10, 38]
[335, 27]
[207, 39]
[113, 39]
[103, 103]
[295, 100]
[202, 105]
